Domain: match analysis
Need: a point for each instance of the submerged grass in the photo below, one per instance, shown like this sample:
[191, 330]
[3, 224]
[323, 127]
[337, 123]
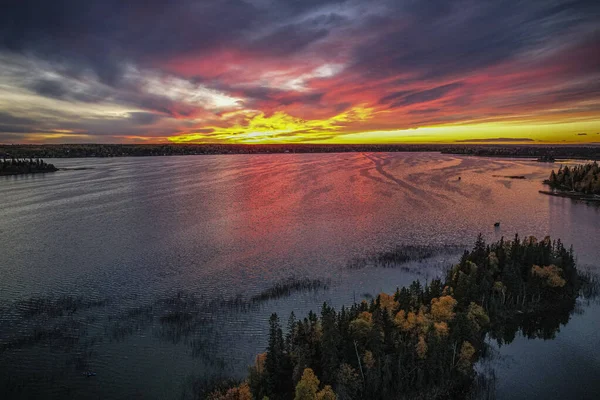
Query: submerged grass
[404, 254]
[590, 285]
[55, 307]
[289, 286]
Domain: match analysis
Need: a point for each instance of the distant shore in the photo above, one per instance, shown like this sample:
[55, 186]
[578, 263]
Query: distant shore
[144, 150]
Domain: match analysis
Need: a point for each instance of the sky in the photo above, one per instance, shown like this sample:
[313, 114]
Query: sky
[299, 71]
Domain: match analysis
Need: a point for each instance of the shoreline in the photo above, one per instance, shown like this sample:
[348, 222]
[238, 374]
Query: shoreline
[573, 195]
[532, 153]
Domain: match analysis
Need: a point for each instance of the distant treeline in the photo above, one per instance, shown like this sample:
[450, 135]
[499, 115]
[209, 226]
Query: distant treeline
[526, 151]
[580, 178]
[422, 341]
[15, 166]
[126, 150]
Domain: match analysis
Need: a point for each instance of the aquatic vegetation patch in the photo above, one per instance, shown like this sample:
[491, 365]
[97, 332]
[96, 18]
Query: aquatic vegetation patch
[55, 306]
[404, 254]
[289, 286]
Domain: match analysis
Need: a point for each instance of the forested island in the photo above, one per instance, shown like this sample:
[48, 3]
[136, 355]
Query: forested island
[423, 340]
[583, 179]
[141, 150]
[15, 166]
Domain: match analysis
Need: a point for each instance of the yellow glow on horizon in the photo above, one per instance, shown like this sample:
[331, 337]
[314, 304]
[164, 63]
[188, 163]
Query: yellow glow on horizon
[277, 128]
[538, 132]
[284, 128]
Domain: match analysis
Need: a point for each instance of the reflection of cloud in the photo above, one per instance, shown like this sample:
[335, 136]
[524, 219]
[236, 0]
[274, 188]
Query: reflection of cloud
[495, 140]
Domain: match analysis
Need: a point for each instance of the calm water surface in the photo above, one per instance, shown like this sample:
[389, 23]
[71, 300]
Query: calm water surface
[136, 240]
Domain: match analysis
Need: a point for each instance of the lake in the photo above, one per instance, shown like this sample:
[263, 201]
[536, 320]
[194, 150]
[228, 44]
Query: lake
[141, 269]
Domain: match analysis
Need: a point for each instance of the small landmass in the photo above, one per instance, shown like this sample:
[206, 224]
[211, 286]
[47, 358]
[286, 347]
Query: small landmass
[15, 166]
[510, 176]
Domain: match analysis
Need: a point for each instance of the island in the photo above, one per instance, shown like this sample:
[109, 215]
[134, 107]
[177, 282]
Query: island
[15, 166]
[423, 340]
[580, 182]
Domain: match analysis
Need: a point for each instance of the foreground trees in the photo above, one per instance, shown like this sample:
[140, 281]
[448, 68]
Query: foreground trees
[422, 341]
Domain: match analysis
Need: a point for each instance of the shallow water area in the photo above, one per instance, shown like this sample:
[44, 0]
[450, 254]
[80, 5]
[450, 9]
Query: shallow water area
[143, 269]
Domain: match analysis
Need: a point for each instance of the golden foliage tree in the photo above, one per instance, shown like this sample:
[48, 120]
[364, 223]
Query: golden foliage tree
[441, 329]
[387, 302]
[465, 358]
[368, 359]
[442, 308]
[308, 386]
[551, 275]
[361, 326]
[241, 392]
[477, 315]
[422, 347]
[326, 394]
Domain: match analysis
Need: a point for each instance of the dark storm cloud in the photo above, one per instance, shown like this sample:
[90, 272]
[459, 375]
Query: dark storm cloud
[61, 90]
[294, 37]
[405, 98]
[441, 38]
[103, 35]
[582, 134]
[49, 88]
[10, 119]
[144, 118]
[432, 38]
[14, 129]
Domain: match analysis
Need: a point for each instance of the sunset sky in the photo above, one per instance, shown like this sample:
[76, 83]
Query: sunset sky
[287, 71]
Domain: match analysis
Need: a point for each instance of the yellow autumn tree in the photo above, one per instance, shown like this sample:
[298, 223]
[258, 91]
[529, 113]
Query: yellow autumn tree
[465, 358]
[441, 329]
[413, 322]
[387, 302]
[361, 326]
[421, 347]
[448, 290]
[406, 322]
[551, 275]
[259, 364]
[241, 392]
[308, 386]
[326, 393]
[442, 308]
[477, 315]
[368, 359]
